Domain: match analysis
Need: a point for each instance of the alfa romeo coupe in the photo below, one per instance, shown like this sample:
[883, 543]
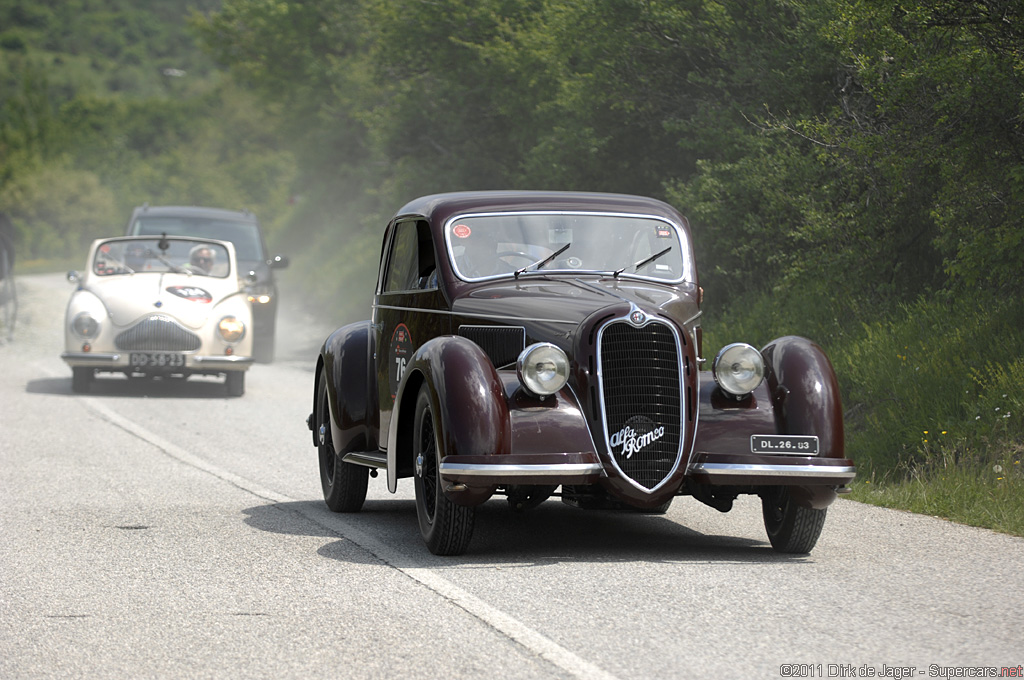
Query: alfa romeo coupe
[539, 344]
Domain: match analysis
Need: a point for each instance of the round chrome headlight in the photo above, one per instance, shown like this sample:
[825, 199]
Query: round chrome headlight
[85, 326]
[543, 368]
[231, 329]
[738, 369]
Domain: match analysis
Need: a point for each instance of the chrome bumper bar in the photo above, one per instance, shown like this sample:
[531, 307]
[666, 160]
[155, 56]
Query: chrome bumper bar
[522, 471]
[94, 358]
[841, 475]
[228, 361]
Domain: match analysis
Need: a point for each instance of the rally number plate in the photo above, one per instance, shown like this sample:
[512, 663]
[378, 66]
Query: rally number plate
[793, 444]
[156, 360]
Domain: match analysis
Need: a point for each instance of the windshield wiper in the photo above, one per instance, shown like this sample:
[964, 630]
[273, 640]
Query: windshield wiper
[173, 267]
[540, 263]
[641, 263]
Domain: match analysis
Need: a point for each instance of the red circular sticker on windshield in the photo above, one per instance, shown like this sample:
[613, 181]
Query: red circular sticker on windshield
[461, 230]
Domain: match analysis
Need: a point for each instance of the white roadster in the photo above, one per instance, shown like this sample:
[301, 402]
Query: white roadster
[159, 306]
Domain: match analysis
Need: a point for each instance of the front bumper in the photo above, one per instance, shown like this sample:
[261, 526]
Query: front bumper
[555, 468]
[119, 362]
[713, 469]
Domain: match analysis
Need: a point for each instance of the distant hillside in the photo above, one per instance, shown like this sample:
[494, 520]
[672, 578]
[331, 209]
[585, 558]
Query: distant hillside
[102, 47]
[106, 104]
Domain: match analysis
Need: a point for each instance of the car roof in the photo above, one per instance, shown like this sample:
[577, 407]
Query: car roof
[194, 211]
[438, 208]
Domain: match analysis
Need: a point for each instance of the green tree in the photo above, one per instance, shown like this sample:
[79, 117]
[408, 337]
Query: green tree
[933, 118]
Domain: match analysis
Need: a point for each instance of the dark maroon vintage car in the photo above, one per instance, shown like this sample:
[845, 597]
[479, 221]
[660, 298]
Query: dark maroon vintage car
[538, 344]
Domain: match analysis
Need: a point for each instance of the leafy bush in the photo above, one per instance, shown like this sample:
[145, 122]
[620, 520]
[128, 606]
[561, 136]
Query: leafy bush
[935, 382]
[57, 211]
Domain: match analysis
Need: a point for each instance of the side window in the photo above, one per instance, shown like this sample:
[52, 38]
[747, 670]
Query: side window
[403, 265]
[411, 264]
[426, 262]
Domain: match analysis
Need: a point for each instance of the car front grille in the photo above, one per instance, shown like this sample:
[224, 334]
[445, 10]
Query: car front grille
[158, 333]
[642, 399]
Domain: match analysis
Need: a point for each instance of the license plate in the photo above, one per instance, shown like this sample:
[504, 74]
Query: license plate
[156, 360]
[795, 444]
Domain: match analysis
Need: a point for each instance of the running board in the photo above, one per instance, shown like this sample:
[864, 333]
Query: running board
[374, 459]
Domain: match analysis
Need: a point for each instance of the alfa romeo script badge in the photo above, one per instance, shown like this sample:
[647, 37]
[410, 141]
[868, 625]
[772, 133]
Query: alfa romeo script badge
[638, 433]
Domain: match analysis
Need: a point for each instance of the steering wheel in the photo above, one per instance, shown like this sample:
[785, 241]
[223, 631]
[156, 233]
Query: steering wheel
[516, 253]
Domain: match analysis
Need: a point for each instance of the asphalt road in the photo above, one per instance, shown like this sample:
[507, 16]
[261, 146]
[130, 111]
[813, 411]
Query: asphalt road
[163, 530]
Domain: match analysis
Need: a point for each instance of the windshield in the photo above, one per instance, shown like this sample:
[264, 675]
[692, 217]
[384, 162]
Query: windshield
[245, 235]
[516, 244]
[137, 256]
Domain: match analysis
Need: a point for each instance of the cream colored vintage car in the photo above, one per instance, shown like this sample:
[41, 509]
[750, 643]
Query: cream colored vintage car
[160, 306]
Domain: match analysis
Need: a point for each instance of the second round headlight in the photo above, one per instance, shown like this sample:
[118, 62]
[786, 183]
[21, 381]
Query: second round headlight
[231, 329]
[84, 325]
[543, 368]
[738, 369]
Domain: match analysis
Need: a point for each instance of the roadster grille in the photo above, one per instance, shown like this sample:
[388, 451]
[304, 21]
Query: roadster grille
[641, 391]
[158, 333]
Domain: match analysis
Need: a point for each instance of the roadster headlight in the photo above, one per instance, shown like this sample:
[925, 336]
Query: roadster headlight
[231, 329]
[85, 326]
[543, 368]
[738, 369]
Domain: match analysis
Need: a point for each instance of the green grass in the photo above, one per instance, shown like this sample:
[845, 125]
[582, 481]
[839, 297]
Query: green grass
[933, 394]
[981, 495]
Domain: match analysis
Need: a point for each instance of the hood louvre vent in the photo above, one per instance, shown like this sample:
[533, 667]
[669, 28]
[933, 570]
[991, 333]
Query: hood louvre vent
[502, 344]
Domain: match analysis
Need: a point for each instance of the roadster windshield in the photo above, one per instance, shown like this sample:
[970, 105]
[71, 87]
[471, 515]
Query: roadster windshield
[181, 256]
[518, 244]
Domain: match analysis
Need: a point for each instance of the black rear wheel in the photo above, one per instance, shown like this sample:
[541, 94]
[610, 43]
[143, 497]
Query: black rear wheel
[791, 528]
[446, 527]
[344, 484]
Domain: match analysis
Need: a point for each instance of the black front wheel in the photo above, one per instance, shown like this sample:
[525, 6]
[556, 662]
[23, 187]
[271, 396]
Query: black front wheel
[81, 379]
[791, 528]
[344, 484]
[234, 383]
[446, 527]
[263, 346]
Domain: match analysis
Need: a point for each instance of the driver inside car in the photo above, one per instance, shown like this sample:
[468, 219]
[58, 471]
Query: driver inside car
[201, 259]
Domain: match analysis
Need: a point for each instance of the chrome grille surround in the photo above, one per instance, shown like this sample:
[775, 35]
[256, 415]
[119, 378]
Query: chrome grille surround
[640, 375]
[158, 332]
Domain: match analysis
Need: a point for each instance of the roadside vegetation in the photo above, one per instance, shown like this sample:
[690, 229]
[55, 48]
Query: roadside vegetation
[853, 171]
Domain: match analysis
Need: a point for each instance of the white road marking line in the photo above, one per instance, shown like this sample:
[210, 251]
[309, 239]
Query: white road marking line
[516, 630]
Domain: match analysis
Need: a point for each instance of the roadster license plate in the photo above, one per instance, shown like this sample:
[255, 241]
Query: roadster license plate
[795, 444]
[156, 360]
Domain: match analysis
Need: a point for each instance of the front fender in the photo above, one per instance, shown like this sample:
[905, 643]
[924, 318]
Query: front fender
[467, 398]
[805, 393]
[345, 356]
